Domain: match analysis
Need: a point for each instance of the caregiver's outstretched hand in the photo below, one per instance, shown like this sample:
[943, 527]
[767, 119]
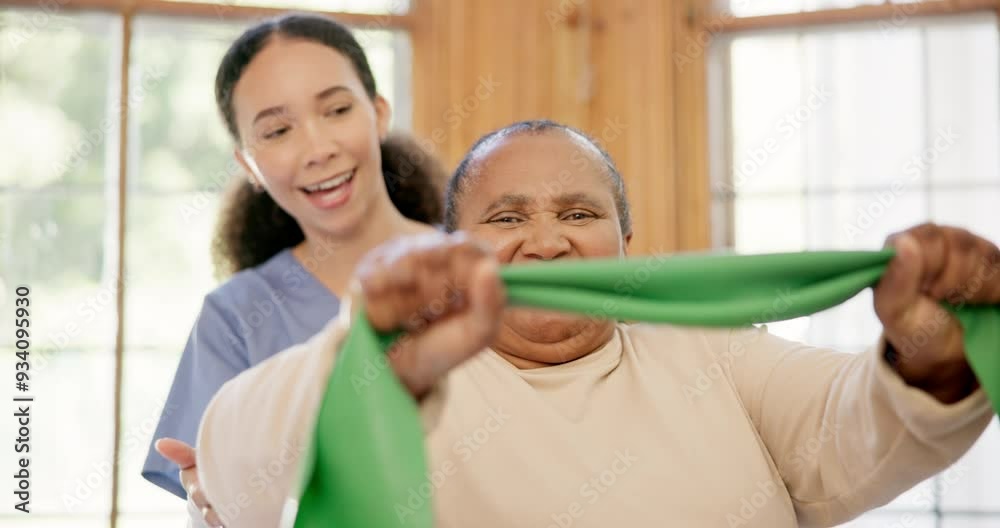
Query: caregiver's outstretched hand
[444, 290]
[183, 455]
[935, 264]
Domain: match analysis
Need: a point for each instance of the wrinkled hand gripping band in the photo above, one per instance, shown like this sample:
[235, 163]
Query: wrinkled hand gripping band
[367, 462]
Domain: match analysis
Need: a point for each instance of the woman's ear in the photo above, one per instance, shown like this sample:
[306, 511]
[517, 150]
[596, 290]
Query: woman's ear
[383, 116]
[628, 239]
[250, 166]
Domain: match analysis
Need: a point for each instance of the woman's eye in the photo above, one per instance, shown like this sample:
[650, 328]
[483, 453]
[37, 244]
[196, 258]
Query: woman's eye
[340, 110]
[275, 133]
[578, 216]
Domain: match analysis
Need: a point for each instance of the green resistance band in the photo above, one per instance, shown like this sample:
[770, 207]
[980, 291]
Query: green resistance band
[367, 451]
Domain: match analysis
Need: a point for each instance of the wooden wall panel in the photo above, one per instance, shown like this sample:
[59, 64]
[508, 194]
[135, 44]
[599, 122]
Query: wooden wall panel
[691, 110]
[604, 66]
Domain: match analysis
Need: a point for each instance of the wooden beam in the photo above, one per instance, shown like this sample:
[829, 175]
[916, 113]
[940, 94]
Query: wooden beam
[690, 116]
[123, 116]
[725, 22]
[222, 11]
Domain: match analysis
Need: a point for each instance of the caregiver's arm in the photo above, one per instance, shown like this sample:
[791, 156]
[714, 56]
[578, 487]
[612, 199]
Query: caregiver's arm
[850, 432]
[255, 429]
[443, 289]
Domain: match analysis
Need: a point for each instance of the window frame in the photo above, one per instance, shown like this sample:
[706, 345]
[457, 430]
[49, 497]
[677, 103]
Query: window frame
[127, 11]
[722, 199]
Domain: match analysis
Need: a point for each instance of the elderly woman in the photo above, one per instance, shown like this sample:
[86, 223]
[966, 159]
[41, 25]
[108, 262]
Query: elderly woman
[546, 419]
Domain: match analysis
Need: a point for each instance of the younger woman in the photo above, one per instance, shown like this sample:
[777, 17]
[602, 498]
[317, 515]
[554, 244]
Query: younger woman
[326, 184]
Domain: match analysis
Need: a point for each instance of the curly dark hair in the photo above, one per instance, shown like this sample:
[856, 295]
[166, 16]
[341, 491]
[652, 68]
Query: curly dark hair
[252, 228]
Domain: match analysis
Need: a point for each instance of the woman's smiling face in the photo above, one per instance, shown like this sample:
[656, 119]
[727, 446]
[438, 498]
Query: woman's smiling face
[310, 133]
[542, 196]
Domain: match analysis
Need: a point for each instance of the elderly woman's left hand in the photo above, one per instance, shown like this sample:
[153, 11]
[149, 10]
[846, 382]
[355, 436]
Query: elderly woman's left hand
[934, 264]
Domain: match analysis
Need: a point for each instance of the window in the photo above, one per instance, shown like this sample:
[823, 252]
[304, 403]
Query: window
[346, 6]
[833, 137]
[746, 8]
[59, 218]
[60, 157]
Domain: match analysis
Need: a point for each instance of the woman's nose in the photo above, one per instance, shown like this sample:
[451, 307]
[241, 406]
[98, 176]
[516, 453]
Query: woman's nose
[320, 146]
[545, 242]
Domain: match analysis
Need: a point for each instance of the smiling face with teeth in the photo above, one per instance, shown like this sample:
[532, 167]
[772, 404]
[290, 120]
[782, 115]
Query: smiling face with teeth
[310, 135]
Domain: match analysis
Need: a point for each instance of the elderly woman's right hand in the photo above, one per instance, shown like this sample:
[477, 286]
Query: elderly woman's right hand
[444, 290]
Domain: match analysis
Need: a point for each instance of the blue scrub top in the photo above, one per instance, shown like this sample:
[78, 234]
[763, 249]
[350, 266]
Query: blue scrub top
[252, 316]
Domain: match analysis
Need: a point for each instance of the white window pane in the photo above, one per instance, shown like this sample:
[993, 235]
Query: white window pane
[793, 329]
[872, 119]
[178, 139]
[892, 520]
[916, 499]
[768, 224]
[862, 220]
[347, 6]
[54, 521]
[974, 209]
[743, 8]
[912, 120]
[815, 5]
[56, 129]
[990, 521]
[389, 56]
[71, 431]
[39, 233]
[965, 109]
[720, 221]
[168, 253]
[973, 482]
[767, 114]
[146, 381]
[177, 520]
[848, 327]
[59, 151]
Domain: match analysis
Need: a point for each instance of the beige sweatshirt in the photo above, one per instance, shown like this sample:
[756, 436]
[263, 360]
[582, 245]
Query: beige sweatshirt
[663, 426]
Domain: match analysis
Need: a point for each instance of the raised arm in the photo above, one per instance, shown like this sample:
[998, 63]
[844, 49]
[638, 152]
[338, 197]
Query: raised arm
[848, 433]
[443, 290]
